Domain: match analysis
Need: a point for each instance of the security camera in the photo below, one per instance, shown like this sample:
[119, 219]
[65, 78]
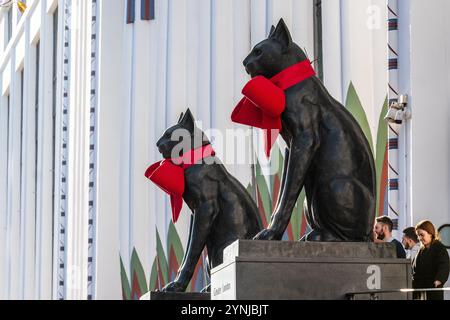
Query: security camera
[397, 112]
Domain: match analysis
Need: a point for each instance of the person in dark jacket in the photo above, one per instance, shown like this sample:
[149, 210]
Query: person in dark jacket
[383, 233]
[430, 268]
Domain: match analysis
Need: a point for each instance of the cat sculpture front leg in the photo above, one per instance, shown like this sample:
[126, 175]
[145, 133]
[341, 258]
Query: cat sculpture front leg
[301, 152]
[198, 234]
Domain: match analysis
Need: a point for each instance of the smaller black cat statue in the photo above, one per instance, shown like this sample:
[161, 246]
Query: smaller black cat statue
[223, 211]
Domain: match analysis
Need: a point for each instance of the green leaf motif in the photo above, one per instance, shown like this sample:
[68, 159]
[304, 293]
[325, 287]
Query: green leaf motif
[382, 136]
[354, 106]
[251, 191]
[263, 192]
[276, 166]
[153, 285]
[296, 218]
[173, 240]
[126, 289]
[138, 271]
[136, 285]
[163, 267]
[268, 199]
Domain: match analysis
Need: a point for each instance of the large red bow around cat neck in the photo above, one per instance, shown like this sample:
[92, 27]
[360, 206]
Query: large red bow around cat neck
[265, 100]
[168, 174]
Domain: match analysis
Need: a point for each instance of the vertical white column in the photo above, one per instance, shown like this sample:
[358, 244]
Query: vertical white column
[393, 129]
[28, 190]
[93, 149]
[4, 110]
[139, 143]
[109, 132]
[79, 151]
[241, 22]
[14, 178]
[332, 52]
[61, 191]
[3, 30]
[405, 144]
[223, 60]
[125, 190]
[46, 161]
[152, 196]
[204, 69]
[162, 211]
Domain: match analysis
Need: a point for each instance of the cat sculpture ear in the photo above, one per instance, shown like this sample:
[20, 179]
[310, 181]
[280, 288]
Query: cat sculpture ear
[282, 35]
[188, 121]
[272, 29]
[181, 117]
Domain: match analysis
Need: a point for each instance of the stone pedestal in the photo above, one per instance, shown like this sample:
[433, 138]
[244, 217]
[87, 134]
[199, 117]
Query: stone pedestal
[176, 296]
[265, 270]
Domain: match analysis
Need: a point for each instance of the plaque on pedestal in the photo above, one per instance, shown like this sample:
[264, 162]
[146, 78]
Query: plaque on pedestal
[264, 270]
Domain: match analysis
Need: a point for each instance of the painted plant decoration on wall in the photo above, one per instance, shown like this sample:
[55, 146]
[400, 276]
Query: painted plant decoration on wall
[265, 192]
[379, 151]
[163, 270]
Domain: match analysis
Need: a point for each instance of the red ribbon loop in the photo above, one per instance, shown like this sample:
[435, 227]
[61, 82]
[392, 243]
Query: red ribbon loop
[265, 100]
[170, 177]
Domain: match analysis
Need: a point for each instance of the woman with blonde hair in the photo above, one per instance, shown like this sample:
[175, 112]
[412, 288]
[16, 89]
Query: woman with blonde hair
[431, 265]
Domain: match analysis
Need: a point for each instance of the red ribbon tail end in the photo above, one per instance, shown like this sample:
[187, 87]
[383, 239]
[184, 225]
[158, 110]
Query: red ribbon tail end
[271, 136]
[176, 203]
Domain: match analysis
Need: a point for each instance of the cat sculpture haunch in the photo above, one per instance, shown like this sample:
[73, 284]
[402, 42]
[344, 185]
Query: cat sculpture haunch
[327, 152]
[223, 211]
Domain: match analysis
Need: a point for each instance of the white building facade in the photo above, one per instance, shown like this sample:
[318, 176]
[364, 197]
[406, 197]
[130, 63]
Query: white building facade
[88, 86]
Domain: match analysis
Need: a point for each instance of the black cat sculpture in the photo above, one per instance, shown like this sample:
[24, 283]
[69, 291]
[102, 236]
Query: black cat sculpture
[223, 211]
[327, 154]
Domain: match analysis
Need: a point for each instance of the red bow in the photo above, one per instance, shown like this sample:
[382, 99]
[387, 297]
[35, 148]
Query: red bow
[265, 100]
[168, 174]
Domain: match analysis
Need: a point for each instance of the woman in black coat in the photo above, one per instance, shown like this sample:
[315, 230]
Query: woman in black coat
[431, 265]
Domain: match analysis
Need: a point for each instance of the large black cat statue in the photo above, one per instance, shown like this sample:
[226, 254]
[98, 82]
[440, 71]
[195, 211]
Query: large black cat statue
[327, 154]
[223, 211]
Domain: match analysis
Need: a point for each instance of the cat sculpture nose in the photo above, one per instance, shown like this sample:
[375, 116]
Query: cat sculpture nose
[161, 149]
[245, 62]
[249, 67]
[160, 146]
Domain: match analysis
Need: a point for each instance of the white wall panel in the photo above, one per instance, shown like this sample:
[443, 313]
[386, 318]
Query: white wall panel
[110, 150]
[3, 190]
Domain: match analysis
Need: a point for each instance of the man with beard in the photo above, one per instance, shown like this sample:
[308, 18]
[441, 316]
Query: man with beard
[411, 242]
[383, 233]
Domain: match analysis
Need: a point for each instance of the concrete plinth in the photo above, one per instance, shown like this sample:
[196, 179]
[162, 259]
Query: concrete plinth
[264, 270]
[176, 296]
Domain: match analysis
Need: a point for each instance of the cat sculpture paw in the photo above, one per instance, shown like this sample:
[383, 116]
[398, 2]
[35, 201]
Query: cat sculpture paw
[174, 286]
[267, 234]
